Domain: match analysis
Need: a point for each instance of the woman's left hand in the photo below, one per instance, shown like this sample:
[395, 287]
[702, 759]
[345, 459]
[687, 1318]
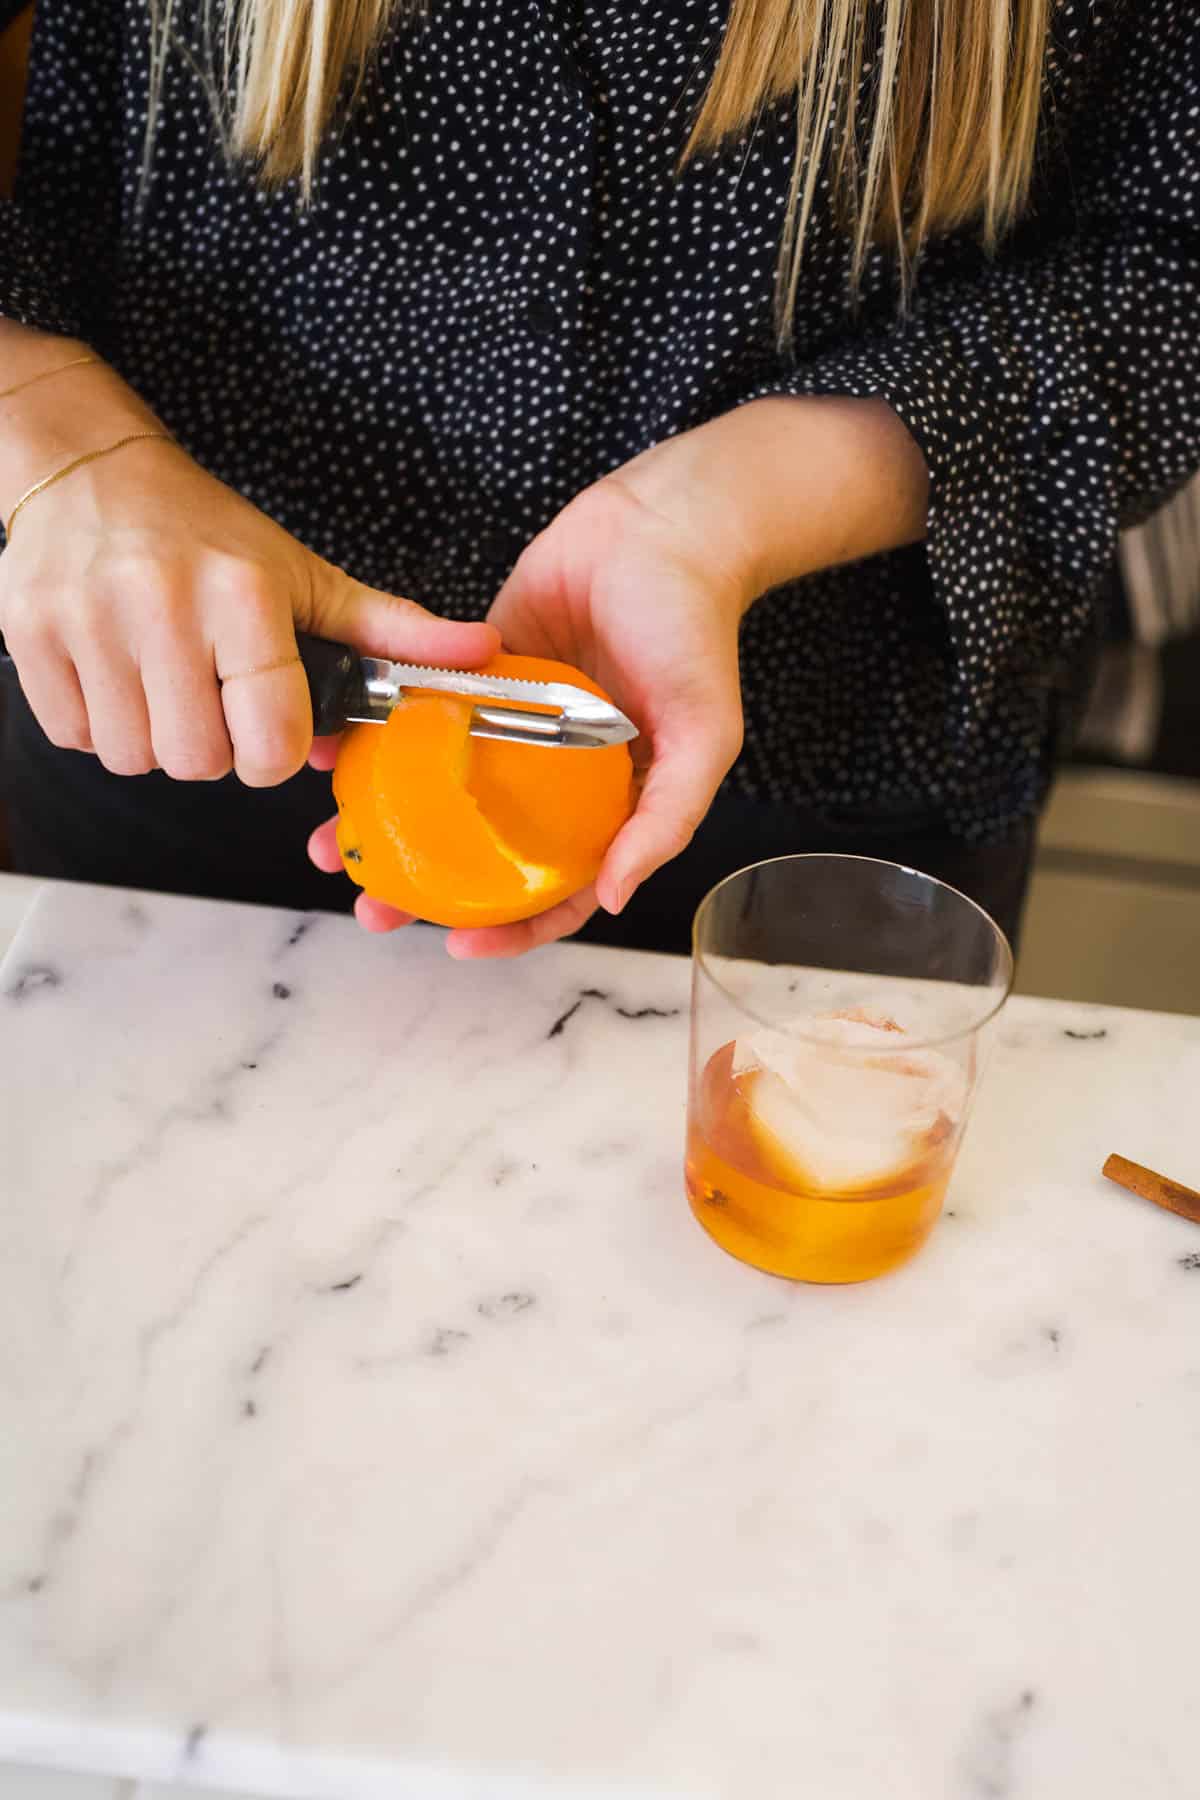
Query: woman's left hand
[641, 582]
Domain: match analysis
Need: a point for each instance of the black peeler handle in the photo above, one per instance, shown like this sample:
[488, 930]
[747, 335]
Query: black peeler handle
[334, 681]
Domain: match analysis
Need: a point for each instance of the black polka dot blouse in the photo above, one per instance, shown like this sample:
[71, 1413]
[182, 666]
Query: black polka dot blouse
[506, 288]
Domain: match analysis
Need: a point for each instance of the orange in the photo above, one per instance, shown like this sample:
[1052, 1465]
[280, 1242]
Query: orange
[469, 831]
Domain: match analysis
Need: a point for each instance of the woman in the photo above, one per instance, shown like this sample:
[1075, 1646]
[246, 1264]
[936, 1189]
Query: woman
[849, 332]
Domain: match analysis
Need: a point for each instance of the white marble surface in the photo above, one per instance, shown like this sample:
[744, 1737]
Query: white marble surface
[375, 1420]
[17, 894]
[24, 1783]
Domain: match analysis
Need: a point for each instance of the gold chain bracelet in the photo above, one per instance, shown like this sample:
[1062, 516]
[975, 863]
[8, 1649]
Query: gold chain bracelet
[49, 481]
[45, 375]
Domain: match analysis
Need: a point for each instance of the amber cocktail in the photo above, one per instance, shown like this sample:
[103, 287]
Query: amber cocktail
[839, 1017]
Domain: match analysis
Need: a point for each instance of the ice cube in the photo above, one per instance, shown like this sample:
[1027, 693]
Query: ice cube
[845, 1107]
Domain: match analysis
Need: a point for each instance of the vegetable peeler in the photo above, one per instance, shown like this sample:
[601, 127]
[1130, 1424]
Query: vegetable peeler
[350, 689]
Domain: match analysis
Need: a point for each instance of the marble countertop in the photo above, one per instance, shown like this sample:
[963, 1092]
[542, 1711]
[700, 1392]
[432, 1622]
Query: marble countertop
[17, 894]
[375, 1420]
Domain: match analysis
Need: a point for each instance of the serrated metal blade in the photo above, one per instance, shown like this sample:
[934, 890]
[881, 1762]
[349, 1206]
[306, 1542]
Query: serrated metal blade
[579, 721]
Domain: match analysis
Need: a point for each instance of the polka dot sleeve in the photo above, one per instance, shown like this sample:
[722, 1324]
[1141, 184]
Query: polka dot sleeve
[33, 288]
[57, 245]
[1056, 392]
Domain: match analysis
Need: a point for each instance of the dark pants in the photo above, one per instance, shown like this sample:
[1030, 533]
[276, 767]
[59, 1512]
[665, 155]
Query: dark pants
[70, 819]
[737, 832]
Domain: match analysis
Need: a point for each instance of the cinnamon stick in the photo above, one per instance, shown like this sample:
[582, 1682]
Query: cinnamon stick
[1163, 1192]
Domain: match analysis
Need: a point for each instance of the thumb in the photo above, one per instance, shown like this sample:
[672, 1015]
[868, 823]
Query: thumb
[687, 770]
[379, 624]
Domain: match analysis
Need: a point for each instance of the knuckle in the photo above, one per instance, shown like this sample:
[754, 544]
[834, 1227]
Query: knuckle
[162, 609]
[145, 582]
[200, 763]
[127, 761]
[67, 734]
[263, 612]
[258, 774]
[274, 755]
[271, 733]
[248, 585]
[28, 628]
[678, 836]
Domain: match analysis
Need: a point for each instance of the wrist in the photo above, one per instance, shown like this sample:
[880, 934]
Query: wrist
[841, 477]
[686, 483]
[85, 465]
[784, 486]
[46, 426]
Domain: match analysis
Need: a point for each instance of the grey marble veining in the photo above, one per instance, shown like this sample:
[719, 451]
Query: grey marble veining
[375, 1420]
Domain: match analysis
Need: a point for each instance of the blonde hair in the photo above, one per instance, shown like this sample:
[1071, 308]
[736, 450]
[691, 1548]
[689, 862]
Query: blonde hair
[925, 111]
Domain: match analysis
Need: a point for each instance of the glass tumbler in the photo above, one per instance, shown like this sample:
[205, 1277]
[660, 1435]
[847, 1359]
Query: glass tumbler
[840, 1013]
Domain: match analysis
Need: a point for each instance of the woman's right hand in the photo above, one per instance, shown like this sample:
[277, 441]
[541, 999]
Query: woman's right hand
[151, 613]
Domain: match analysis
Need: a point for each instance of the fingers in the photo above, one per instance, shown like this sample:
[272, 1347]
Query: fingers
[323, 848]
[538, 630]
[388, 625]
[195, 671]
[187, 721]
[264, 692]
[324, 751]
[376, 915]
[465, 945]
[51, 686]
[499, 941]
[372, 915]
[118, 718]
[686, 772]
[269, 719]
